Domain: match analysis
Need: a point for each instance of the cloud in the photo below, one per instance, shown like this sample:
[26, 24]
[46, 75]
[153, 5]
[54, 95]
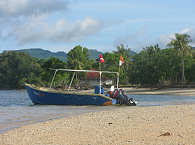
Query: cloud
[141, 38]
[18, 8]
[165, 39]
[31, 21]
[137, 41]
[38, 30]
[14, 13]
[191, 32]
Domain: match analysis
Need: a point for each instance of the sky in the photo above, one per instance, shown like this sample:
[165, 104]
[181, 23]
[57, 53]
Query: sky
[60, 25]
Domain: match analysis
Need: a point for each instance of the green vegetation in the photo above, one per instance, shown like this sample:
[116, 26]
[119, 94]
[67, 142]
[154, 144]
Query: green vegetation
[18, 68]
[181, 44]
[45, 54]
[152, 66]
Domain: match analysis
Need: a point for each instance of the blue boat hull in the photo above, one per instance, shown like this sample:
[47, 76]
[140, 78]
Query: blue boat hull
[39, 96]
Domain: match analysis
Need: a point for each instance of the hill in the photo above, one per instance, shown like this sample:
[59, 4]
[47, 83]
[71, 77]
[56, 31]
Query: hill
[44, 54]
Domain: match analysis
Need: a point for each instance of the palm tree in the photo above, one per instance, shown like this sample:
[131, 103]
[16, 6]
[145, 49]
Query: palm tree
[78, 58]
[124, 51]
[181, 44]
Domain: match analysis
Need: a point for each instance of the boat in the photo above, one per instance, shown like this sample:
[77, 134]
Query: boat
[51, 96]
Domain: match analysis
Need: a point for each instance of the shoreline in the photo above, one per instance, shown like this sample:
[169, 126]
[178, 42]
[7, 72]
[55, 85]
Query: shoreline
[126, 125]
[163, 91]
[165, 125]
[143, 91]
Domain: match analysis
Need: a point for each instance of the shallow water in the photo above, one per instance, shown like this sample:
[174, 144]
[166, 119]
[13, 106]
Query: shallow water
[160, 100]
[16, 109]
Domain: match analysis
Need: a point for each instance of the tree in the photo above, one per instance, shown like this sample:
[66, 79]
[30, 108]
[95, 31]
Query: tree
[146, 66]
[111, 64]
[17, 68]
[125, 53]
[78, 58]
[181, 44]
[170, 65]
[47, 74]
[122, 50]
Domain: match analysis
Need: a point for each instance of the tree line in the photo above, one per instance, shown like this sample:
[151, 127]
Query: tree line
[152, 66]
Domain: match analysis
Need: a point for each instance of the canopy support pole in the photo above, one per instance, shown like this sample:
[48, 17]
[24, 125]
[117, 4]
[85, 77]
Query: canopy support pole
[53, 78]
[117, 85]
[71, 70]
[71, 81]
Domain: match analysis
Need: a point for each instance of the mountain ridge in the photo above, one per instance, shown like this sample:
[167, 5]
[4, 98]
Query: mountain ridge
[41, 53]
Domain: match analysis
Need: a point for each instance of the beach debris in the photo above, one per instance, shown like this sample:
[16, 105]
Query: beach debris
[109, 123]
[180, 135]
[165, 134]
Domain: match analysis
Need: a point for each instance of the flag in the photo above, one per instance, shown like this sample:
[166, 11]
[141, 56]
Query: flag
[121, 61]
[101, 59]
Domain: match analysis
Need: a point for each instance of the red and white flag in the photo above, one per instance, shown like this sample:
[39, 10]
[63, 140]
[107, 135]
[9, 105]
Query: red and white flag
[101, 58]
[121, 61]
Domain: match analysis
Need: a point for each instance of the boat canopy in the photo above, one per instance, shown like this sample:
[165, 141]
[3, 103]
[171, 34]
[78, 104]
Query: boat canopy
[71, 70]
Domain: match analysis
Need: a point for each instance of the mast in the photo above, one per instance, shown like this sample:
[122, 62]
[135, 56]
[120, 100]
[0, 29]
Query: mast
[100, 82]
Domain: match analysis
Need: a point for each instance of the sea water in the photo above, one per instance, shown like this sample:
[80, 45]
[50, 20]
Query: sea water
[16, 109]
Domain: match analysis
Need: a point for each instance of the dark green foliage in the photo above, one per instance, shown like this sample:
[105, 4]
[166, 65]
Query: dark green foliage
[78, 58]
[181, 45]
[17, 68]
[154, 66]
[47, 73]
[126, 53]
[146, 66]
[111, 64]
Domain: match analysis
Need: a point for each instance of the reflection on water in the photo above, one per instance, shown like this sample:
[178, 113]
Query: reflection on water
[16, 109]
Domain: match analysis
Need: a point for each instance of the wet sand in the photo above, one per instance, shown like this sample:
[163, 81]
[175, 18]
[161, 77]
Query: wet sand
[165, 91]
[155, 91]
[157, 125]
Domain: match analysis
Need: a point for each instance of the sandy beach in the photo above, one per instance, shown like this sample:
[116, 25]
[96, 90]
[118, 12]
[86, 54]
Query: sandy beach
[164, 91]
[157, 125]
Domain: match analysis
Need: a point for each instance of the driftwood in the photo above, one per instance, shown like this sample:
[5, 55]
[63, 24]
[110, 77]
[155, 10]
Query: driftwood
[165, 134]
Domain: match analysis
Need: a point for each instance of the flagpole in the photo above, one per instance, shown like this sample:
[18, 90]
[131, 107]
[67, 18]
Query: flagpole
[99, 66]
[118, 74]
[117, 85]
[100, 77]
[121, 61]
[100, 82]
[101, 60]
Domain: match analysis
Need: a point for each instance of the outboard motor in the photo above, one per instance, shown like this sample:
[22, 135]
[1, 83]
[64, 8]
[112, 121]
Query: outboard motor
[130, 101]
[121, 98]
